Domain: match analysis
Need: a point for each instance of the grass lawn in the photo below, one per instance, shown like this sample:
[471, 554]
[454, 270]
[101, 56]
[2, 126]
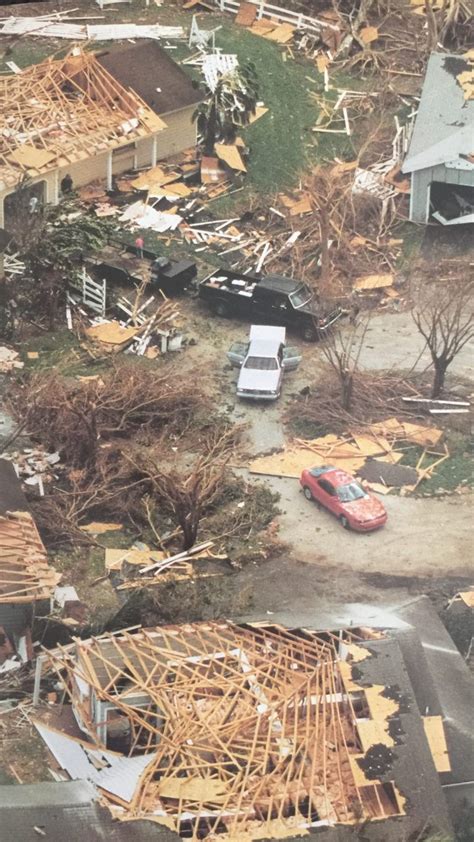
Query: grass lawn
[453, 472]
[282, 143]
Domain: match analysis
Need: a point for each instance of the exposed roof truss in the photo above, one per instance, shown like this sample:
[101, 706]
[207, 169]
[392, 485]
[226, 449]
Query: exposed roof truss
[252, 728]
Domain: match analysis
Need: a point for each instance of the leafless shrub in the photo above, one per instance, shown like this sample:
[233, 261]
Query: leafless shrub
[342, 350]
[374, 397]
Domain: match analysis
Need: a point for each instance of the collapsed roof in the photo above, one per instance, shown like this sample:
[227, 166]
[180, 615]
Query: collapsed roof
[62, 111]
[25, 575]
[248, 729]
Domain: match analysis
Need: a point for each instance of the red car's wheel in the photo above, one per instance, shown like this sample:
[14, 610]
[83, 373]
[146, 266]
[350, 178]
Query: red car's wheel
[307, 492]
[344, 522]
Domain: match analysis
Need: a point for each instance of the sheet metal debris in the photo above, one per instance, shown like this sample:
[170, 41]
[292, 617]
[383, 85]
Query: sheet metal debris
[43, 26]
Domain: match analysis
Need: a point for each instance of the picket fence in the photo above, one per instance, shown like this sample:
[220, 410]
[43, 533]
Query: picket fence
[281, 15]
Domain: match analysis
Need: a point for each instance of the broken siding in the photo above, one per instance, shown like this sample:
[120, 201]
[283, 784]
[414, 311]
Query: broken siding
[422, 180]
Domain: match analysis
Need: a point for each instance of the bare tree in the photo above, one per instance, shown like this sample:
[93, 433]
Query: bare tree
[188, 494]
[342, 351]
[444, 315]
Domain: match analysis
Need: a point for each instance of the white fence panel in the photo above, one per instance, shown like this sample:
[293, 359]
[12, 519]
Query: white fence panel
[282, 15]
[93, 294]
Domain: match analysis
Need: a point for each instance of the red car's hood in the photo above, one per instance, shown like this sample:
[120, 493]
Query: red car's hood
[368, 508]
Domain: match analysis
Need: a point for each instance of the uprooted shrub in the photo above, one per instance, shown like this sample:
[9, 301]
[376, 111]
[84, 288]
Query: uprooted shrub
[77, 417]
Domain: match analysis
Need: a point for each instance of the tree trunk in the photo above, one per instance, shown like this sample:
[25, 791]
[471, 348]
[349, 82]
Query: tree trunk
[431, 26]
[211, 130]
[347, 384]
[325, 259]
[189, 524]
[438, 382]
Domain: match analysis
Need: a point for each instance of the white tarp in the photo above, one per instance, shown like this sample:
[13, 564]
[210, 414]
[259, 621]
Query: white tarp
[75, 32]
[144, 216]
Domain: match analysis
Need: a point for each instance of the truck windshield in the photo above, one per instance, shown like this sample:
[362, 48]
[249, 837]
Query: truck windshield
[261, 363]
[301, 296]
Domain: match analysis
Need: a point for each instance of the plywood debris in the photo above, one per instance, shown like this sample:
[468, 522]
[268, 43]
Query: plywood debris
[99, 527]
[434, 730]
[229, 153]
[9, 359]
[368, 34]
[369, 453]
[374, 281]
[246, 14]
[253, 720]
[465, 596]
[281, 34]
[111, 333]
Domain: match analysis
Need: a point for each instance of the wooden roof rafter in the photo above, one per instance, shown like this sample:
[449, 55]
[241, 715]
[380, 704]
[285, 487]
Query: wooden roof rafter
[25, 575]
[251, 729]
[70, 107]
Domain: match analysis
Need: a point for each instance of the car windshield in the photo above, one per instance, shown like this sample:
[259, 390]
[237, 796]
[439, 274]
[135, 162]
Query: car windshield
[350, 492]
[261, 363]
[301, 296]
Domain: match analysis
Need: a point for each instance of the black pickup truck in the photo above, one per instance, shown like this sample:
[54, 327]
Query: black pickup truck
[120, 264]
[273, 299]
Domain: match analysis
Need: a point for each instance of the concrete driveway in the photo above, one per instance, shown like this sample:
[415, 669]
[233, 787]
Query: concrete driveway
[426, 543]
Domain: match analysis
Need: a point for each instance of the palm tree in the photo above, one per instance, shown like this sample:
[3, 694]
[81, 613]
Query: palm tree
[228, 107]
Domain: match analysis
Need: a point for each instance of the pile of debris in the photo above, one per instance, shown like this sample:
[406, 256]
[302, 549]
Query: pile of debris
[34, 466]
[9, 360]
[372, 453]
[149, 328]
[58, 25]
[140, 567]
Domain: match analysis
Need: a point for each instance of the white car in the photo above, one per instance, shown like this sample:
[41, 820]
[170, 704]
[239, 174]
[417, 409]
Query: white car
[262, 361]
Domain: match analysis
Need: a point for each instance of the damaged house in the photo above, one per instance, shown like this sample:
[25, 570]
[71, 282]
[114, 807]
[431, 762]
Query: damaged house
[91, 116]
[26, 579]
[441, 153]
[251, 731]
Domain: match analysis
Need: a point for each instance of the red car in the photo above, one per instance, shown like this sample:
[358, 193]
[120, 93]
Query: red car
[337, 491]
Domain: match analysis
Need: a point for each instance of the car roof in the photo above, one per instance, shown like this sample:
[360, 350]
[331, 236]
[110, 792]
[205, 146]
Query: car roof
[335, 475]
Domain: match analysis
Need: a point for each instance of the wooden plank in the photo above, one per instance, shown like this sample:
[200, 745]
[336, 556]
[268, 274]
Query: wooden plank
[434, 730]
